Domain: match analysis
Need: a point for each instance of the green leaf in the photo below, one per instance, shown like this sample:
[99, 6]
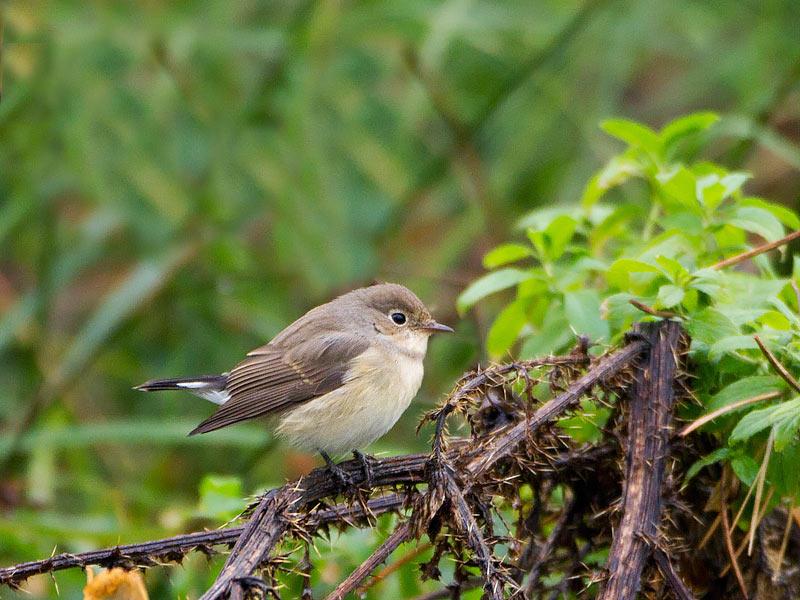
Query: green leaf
[632, 133]
[679, 185]
[676, 272]
[783, 471]
[582, 309]
[670, 295]
[730, 344]
[616, 172]
[553, 335]
[506, 327]
[489, 284]
[716, 456]
[504, 254]
[559, 234]
[784, 416]
[785, 215]
[759, 221]
[619, 273]
[683, 127]
[618, 311]
[745, 467]
[710, 191]
[709, 325]
[747, 387]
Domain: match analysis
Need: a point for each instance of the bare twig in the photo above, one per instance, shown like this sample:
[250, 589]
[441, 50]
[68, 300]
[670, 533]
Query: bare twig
[679, 588]
[502, 444]
[174, 548]
[735, 260]
[545, 549]
[395, 566]
[651, 402]
[777, 365]
[401, 534]
[664, 314]
[725, 410]
[726, 534]
[286, 509]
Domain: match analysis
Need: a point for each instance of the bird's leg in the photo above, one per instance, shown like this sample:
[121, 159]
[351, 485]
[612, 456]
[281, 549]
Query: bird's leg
[338, 473]
[366, 465]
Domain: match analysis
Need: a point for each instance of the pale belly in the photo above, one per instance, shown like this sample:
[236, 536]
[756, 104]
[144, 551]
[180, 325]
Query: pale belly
[368, 405]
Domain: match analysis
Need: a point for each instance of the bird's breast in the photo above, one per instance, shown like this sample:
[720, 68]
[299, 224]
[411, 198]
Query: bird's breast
[378, 388]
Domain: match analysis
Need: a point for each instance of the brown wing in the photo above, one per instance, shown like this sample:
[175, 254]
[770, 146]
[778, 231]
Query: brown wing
[273, 377]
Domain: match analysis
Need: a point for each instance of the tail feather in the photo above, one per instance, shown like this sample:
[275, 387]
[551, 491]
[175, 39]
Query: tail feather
[211, 387]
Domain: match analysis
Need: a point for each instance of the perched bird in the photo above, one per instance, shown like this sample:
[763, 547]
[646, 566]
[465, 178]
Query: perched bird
[337, 379]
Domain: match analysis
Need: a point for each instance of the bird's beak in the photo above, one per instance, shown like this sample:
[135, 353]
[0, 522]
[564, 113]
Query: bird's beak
[435, 327]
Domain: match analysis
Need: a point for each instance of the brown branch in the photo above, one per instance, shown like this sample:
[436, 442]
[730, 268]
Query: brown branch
[777, 365]
[281, 510]
[174, 548]
[696, 424]
[401, 534]
[651, 402]
[269, 520]
[502, 444]
[735, 260]
[392, 568]
[726, 533]
[679, 588]
[664, 314]
[535, 566]
[468, 527]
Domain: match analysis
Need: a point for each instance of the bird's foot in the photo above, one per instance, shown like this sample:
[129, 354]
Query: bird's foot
[343, 479]
[366, 461]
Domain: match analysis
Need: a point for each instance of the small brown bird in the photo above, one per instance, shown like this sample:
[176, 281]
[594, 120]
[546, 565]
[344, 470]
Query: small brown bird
[337, 379]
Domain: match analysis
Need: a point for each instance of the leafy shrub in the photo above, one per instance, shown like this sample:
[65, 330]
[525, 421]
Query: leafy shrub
[653, 227]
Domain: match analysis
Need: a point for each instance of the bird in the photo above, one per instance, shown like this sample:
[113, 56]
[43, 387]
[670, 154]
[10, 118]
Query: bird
[336, 379]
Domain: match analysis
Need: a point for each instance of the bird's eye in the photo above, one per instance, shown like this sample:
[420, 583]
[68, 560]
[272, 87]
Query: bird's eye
[398, 318]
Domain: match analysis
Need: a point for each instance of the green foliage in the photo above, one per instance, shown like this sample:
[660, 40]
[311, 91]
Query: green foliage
[584, 263]
[179, 181]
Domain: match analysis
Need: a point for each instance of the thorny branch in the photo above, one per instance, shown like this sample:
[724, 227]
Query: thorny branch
[651, 404]
[463, 494]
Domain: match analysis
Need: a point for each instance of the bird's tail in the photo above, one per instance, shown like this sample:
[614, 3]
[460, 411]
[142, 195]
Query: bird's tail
[210, 387]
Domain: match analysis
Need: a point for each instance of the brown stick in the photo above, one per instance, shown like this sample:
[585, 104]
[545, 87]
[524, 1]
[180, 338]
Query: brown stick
[173, 548]
[546, 549]
[465, 521]
[392, 568]
[777, 365]
[272, 517]
[726, 409]
[651, 403]
[681, 591]
[726, 533]
[664, 314]
[735, 260]
[390, 544]
[503, 444]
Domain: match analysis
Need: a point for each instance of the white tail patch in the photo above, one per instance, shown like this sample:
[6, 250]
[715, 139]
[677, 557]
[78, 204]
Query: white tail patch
[193, 385]
[206, 391]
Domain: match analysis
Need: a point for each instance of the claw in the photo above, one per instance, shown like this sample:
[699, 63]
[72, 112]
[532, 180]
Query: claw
[366, 461]
[338, 473]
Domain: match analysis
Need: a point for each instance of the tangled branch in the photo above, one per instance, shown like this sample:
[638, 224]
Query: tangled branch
[457, 495]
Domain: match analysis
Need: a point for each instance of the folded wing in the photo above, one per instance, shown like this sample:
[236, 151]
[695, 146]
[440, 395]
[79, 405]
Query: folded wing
[274, 377]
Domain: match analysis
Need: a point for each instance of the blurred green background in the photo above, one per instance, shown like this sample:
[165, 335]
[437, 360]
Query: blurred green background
[179, 181]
